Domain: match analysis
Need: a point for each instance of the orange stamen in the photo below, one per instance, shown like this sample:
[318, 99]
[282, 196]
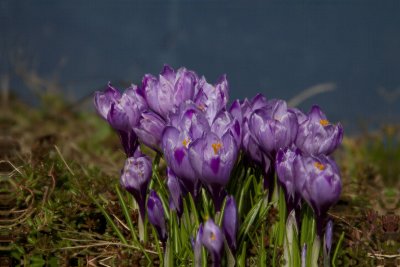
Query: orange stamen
[319, 166]
[216, 147]
[324, 122]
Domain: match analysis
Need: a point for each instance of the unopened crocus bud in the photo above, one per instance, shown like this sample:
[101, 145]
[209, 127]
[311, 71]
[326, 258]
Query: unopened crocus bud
[155, 212]
[136, 176]
[316, 135]
[285, 170]
[213, 240]
[328, 243]
[304, 255]
[249, 144]
[230, 223]
[175, 191]
[196, 244]
[104, 99]
[122, 112]
[150, 129]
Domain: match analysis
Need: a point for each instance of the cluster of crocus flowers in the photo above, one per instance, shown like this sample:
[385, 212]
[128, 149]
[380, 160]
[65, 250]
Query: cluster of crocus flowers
[186, 119]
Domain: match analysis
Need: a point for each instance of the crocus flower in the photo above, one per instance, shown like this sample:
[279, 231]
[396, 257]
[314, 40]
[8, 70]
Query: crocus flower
[155, 212]
[175, 191]
[104, 99]
[190, 119]
[175, 147]
[124, 114]
[249, 144]
[187, 124]
[136, 176]
[230, 223]
[301, 117]
[273, 126]
[318, 181]
[213, 239]
[165, 93]
[212, 98]
[316, 135]
[236, 109]
[213, 159]
[122, 111]
[196, 244]
[225, 122]
[285, 170]
[150, 129]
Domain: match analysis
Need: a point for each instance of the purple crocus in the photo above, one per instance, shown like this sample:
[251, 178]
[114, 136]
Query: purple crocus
[273, 126]
[230, 223]
[213, 239]
[301, 117]
[196, 244]
[190, 119]
[175, 147]
[104, 99]
[187, 125]
[150, 129]
[212, 98]
[213, 159]
[286, 175]
[175, 190]
[316, 135]
[122, 111]
[225, 122]
[136, 176]
[165, 93]
[318, 181]
[155, 212]
[249, 144]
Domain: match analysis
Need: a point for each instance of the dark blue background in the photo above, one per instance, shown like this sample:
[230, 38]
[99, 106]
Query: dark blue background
[278, 48]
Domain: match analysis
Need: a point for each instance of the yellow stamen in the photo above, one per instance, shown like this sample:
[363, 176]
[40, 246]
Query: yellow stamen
[213, 237]
[319, 166]
[216, 147]
[324, 122]
[185, 142]
[201, 107]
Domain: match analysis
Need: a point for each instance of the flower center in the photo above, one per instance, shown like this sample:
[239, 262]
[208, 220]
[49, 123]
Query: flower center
[213, 237]
[324, 122]
[216, 147]
[319, 166]
[201, 107]
[186, 142]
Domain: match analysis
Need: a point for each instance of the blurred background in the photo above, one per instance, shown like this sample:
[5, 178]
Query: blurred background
[343, 55]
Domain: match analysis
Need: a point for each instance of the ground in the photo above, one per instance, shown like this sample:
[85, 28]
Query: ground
[56, 159]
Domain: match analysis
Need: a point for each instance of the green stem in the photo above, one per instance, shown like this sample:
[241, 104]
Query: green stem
[337, 249]
[315, 251]
[142, 229]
